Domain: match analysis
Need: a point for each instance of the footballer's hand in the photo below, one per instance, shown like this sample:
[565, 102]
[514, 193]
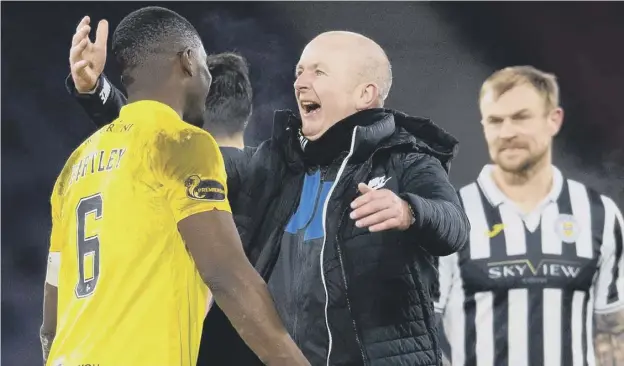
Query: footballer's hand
[86, 58]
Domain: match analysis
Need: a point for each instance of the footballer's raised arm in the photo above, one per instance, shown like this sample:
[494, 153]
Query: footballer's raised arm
[103, 104]
[193, 172]
[86, 83]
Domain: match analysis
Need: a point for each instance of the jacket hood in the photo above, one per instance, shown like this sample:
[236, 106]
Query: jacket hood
[429, 137]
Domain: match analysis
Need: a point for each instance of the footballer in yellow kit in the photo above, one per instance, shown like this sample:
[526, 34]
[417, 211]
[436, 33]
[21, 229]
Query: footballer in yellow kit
[129, 293]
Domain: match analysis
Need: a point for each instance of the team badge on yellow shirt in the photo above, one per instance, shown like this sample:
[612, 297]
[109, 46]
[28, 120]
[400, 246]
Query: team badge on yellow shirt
[204, 189]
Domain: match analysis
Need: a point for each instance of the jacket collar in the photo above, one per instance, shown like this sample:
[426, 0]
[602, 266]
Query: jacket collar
[392, 129]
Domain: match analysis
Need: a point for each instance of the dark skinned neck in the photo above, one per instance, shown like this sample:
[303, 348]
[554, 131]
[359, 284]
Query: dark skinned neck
[147, 88]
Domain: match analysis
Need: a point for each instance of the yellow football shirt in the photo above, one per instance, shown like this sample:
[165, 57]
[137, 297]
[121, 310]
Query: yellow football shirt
[129, 293]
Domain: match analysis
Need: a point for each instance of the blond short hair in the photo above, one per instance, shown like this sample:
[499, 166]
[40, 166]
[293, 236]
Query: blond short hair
[504, 80]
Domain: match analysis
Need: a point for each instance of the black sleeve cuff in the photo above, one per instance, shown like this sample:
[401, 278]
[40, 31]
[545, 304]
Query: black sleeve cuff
[440, 226]
[416, 204]
[100, 95]
[102, 105]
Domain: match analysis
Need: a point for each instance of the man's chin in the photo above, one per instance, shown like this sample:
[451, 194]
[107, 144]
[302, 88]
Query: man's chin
[312, 134]
[314, 130]
[515, 167]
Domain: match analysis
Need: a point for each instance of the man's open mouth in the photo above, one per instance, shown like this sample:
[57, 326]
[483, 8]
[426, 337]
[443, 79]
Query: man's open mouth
[309, 107]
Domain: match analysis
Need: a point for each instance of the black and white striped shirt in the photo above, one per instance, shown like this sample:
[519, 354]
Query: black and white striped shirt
[524, 291]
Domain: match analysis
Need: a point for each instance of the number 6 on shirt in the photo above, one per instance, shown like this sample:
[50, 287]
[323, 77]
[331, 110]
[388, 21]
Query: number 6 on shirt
[88, 246]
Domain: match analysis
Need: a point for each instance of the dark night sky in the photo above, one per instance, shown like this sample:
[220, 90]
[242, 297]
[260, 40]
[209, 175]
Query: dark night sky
[441, 52]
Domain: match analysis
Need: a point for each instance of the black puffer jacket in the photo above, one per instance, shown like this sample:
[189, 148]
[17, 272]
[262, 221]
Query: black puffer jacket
[380, 285]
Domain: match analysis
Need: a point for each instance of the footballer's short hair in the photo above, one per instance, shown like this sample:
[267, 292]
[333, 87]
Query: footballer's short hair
[506, 79]
[149, 33]
[229, 103]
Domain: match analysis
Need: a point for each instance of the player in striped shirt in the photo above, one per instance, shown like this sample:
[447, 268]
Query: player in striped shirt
[544, 262]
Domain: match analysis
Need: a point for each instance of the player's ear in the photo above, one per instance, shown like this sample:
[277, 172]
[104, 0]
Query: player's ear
[186, 61]
[556, 120]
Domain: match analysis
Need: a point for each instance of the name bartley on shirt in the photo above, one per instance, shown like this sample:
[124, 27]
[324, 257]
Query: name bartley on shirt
[97, 162]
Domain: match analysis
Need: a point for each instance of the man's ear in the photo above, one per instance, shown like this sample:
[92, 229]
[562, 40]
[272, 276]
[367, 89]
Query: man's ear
[368, 97]
[186, 61]
[556, 120]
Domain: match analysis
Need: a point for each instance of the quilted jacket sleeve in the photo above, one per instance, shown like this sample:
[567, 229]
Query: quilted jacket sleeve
[441, 225]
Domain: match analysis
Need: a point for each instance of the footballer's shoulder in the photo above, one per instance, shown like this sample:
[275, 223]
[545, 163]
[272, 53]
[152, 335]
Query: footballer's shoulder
[63, 180]
[181, 133]
[182, 128]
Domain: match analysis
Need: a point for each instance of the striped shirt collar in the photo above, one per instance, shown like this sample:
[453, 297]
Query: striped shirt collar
[495, 196]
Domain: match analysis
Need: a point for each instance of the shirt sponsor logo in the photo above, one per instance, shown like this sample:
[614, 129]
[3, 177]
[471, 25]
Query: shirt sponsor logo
[524, 268]
[204, 189]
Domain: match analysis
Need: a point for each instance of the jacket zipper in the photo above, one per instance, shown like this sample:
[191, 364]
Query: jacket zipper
[346, 284]
[325, 206]
[344, 275]
[344, 279]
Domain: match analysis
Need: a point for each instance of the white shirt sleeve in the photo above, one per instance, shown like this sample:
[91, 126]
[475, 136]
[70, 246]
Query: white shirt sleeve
[448, 270]
[609, 285]
[54, 267]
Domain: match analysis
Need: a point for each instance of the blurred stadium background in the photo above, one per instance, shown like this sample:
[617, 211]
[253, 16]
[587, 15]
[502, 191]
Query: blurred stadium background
[441, 52]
